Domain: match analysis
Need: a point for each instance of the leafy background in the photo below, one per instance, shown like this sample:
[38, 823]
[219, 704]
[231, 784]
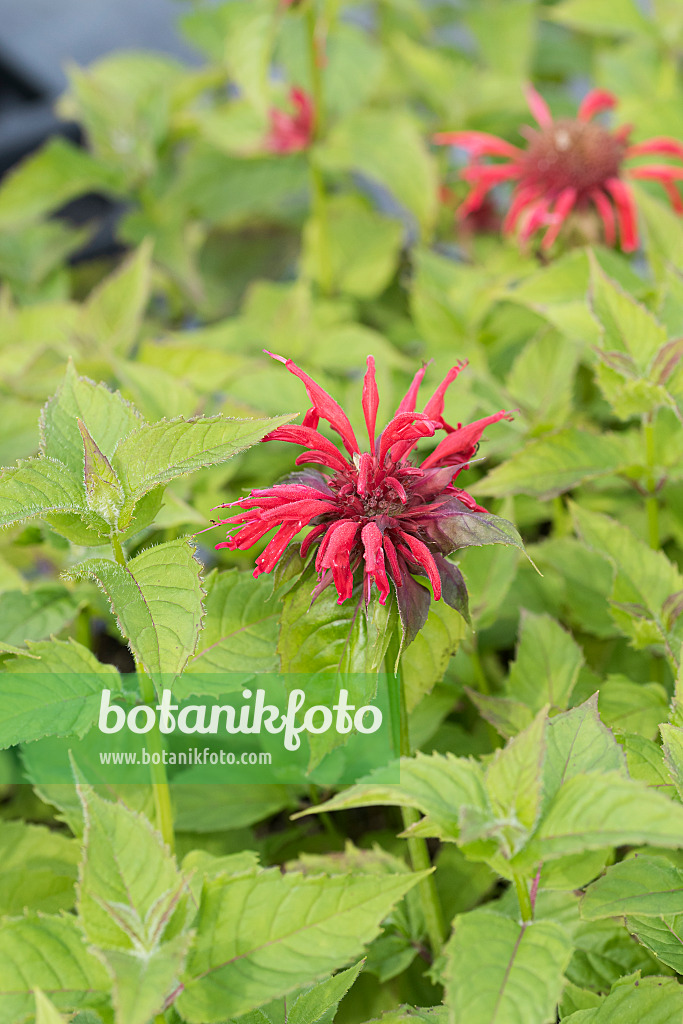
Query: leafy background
[527, 786]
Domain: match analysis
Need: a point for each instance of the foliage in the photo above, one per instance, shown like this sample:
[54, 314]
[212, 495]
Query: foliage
[546, 769]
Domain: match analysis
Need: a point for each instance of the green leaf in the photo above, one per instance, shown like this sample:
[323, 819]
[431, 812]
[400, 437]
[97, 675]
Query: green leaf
[577, 742]
[635, 358]
[644, 585]
[514, 783]
[498, 970]
[113, 313]
[39, 951]
[636, 1000]
[636, 708]
[133, 904]
[40, 612]
[642, 885]
[157, 600]
[239, 635]
[662, 935]
[261, 935]
[438, 786]
[388, 147]
[363, 247]
[672, 737]
[155, 453]
[600, 17]
[550, 465]
[55, 691]
[424, 661]
[46, 1012]
[103, 491]
[318, 1005]
[49, 178]
[37, 487]
[38, 869]
[217, 808]
[544, 672]
[592, 811]
[107, 416]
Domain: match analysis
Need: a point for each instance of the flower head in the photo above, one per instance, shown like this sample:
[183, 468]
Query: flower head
[568, 164]
[291, 132]
[376, 516]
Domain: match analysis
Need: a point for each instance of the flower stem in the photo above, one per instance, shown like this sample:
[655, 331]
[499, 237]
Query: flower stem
[320, 211]
[417, 847]
[651, 503]
[159, 779]
[524, 899]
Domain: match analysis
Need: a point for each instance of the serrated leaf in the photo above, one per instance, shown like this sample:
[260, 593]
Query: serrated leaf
[550, 465]
[38, 869]
[39, 951]
[36, 487]
[636, 1000]
[239, 634]
[318, 1005]
[438, 786]
[642, 885]
[103, 491]
[133, 904]
[672, 746]
[54, 692]
[498, 970]
[157, 600]
[577, 742]
[289, 930]
[662, 935]
[514, 783]
[155, 453]
[592, 811]
[644, 581]
[107, 416]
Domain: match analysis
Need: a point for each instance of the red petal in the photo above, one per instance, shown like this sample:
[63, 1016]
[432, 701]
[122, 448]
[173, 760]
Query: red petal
[626, 213]
[434, 407]
[659, 146]
[521, 198]
[459, 446]
[302, 511]
[604, 208]
[408, 402]
[538, 107]
[309, 438]
[656, 172]
[324, 404]
[272, 553]
[563, 207]
[421, 555]
[594, 102]
[370, 401]
[478, 143]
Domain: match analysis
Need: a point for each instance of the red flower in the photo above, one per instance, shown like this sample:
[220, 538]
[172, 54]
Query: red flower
[375, 514]
[290, 133]
[568, 164]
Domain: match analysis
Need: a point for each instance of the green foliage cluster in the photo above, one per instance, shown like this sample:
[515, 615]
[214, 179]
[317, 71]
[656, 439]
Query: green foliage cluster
[547, 781]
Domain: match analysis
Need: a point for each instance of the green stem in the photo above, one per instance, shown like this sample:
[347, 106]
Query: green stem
[117, 549]
[320, 206]
[417, 847]
[160, 788]
[651, 503]
[522, 890]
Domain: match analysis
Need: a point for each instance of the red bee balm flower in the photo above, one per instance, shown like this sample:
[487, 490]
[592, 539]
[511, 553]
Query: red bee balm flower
[568, 164]
[290, 133]
[375, 514]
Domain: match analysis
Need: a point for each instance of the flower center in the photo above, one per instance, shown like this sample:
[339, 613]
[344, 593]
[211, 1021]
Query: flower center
[572, 154]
